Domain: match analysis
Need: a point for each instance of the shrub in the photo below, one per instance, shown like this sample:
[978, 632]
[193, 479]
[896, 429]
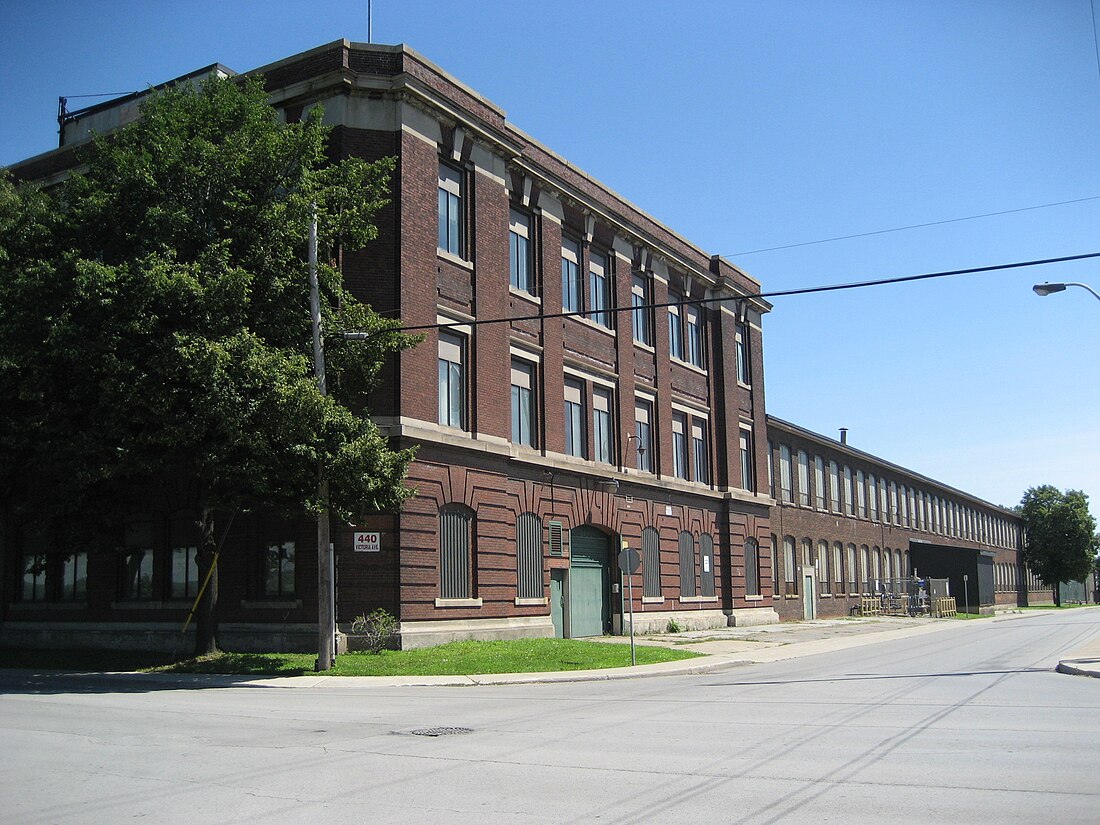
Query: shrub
[673, 626]
[375, 630]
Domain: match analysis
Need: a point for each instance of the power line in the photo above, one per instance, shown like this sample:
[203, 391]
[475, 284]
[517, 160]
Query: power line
[919, 225]
[359, 336]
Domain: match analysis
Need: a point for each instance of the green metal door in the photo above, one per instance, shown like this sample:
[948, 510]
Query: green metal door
[589, 582]
[557, 602]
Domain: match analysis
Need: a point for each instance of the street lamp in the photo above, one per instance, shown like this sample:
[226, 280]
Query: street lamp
[1049, 289]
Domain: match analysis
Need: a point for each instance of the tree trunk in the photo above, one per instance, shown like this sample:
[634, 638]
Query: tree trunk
[1057, 595]
[206, 616]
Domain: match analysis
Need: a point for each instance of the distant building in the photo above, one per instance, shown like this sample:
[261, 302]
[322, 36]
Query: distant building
[846, 523]
[644, 426]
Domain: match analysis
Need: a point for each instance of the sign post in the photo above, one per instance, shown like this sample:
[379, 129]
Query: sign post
[966, 593]
[628, 564]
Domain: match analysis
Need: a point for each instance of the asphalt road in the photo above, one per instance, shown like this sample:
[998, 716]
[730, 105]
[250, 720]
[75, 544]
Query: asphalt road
[966, 725]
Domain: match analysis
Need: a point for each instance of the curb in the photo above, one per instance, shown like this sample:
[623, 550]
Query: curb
[1080, 667]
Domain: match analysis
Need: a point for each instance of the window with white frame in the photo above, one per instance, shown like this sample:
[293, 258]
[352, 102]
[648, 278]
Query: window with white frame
[643, 435]
[576, 435]
[744, 367]
[748, 468]
[838, 567]
[450, 210]
[819, 482]
[699, 453]
[694, 327]
[278, 571]
[675, 326]
[641, 316]
[603, 430]
[803, 478]
[599, 290]
[834, 487]
[853, 570]
[790, 580]
[523, 402]
[849, 499]
[861, 495]
[520, 269]
[873, 485]
[679, 445]
[785, 473]
[572, 286]
[452, 380]
[823, 566]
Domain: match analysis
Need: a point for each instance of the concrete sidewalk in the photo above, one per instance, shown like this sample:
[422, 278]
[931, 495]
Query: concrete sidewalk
[723, 648]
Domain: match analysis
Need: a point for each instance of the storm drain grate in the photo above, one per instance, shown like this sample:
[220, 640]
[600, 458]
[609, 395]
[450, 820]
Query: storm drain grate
[440, 731]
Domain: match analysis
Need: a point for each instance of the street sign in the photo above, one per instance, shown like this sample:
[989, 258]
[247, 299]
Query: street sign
[629, 560]
[368, 543]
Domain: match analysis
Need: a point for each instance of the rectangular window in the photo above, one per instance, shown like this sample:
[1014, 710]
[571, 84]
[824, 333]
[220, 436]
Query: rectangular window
[450, 210]
[74, 577]
[576, 438]
[679, 445]
[675, 330]
[278, 578]
[599, 290]
[838, 569]
[803, 478]
[34, 577]
[785, 473]
[849, 499]
[895, 515]
[748, 470]
[523, 403]
[695, 352]
[640, 316]
[137, 574]
[872, 484]
[834, 487]
[572, 288]
[819, 482]
[744, 371]
[519, 251]
[452, 380]
[861, 494]
[700, 455]
[823, 567]
[184, 583]
[771, 469]
[853, 571]
[643, 435]
[603, 438]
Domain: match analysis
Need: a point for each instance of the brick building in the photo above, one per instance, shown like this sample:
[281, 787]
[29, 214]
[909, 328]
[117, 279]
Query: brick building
[634, 413]
[846, 523]
[638, 418]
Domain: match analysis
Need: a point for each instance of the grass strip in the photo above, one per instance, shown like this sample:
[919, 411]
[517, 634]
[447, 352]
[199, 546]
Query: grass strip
[453, 659]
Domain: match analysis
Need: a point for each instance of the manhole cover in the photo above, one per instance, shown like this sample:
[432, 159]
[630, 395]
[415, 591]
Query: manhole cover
[440, 731]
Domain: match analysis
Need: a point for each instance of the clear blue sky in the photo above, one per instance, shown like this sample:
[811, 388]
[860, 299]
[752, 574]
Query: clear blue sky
[746, 126]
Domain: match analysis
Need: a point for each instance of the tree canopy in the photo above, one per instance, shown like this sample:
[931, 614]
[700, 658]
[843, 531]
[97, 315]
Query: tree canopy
[1060, 535]
[154, 319]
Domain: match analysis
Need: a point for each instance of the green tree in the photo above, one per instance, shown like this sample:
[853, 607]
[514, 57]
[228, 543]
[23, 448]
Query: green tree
[1060, 535]
[154, 324]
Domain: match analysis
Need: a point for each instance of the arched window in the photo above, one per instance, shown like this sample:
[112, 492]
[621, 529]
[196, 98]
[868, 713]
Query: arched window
[456, 568]
[752, 567]
[651, 563]
[529, 557]
[823, 566]
[706, 552]
[687, 565]
[790, 580]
